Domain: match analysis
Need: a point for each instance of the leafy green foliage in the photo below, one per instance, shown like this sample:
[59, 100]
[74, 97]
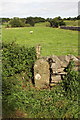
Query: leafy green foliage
[17, 59]
[38, 19]
[12, 95]
[56, 22]
[41, 103]
[71, 80]
[16, 22]
[17, 63]
[5, 20]
[30, 20]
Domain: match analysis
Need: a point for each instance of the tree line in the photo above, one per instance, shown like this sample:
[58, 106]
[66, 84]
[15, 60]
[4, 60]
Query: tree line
[30, 21]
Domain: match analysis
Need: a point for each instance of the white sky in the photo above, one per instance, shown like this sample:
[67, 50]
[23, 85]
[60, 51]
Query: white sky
[40, 8]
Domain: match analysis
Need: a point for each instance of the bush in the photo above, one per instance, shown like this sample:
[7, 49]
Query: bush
[56, 22]
[16, 22]
[17, 59]
[30, 20]
[71, 81]
[12, 96]
[17, 62]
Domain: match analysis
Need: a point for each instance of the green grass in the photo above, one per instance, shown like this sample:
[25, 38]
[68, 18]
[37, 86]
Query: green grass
[72, 22]
[53, 40]
[42, 24]
[35, 103]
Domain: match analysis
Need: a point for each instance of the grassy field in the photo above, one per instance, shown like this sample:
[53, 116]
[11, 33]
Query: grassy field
[53, 40]
[72, 22]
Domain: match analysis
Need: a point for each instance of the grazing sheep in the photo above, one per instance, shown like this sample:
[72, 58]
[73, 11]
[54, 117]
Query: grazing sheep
[31, 32]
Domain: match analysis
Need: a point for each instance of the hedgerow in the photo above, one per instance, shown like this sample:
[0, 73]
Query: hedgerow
[71, 81]
[17, 59]
[17, 63]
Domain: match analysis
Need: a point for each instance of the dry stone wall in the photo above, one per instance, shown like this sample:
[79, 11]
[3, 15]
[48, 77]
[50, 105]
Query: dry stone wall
[49, 71]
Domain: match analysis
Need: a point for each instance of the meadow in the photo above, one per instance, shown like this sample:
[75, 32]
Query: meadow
[72, 22]
[52, 40]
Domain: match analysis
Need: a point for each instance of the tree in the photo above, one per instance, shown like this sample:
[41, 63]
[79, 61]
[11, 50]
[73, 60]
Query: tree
[30, 20]
[56, 22]
[16, 22]
[38, 19]
[62, 23]
[78, 17]
[5, 20]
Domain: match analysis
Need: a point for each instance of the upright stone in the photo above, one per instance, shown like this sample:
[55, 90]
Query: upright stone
[41, 73]
[38, 51]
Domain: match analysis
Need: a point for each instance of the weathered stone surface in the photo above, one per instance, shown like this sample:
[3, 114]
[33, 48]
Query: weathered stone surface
[56, 78]
[60, 70]
[41, 73]
[57, 61]
[50, 69]
[72, 57]
[66, 59]
[38, 51]
[78, 57]
[54, 68]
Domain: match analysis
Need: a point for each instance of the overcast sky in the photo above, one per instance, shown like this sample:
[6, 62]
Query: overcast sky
[40, 8]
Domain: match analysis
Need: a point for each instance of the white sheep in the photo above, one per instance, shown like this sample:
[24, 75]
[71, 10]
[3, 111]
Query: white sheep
[31, 32]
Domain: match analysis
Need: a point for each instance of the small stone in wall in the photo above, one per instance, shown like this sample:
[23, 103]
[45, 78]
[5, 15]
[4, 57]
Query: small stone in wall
[56, 78]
